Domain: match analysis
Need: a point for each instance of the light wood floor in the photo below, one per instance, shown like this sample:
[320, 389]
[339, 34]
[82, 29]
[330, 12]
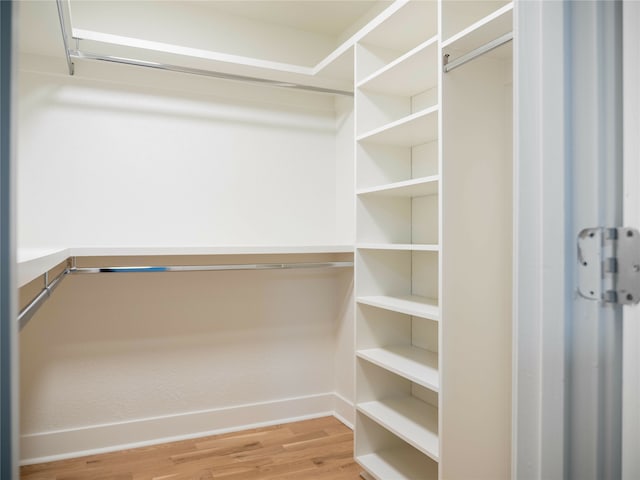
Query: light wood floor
[318, 449]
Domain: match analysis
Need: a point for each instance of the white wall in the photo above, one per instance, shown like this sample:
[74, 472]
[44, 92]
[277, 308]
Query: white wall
[118, 156]
[166, 159]
[114, 360]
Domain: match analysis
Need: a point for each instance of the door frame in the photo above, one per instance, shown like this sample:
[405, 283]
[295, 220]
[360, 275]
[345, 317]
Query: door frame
[8, 292]
[631, 342]
[567, 368]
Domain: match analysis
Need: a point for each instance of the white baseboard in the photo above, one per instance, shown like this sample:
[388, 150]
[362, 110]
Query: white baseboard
[344, 410]
[94, 439]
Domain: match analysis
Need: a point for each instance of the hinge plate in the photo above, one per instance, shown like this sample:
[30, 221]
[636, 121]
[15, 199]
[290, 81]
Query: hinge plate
[609, 265]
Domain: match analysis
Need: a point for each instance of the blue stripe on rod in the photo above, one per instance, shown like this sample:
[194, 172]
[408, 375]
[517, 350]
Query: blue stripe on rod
[133, 269]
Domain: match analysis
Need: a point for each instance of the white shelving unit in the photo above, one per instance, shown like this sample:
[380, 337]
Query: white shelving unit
[427, 325]
[398, 243]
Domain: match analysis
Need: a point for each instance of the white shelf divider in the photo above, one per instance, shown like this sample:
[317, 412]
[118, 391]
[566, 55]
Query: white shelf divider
[414, 421]
[399, 463]
[408, 304]
[417, 187]
[412, 73]
[399, 246]
[415, 364]
[415, 129]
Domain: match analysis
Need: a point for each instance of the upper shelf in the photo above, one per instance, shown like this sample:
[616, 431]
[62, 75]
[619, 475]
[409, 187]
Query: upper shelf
[412, 73]
[304, 44]
[393, 30]
[491, 27]
[459, 16]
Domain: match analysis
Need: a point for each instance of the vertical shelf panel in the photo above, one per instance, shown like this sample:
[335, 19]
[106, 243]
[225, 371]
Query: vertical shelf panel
[397, 249]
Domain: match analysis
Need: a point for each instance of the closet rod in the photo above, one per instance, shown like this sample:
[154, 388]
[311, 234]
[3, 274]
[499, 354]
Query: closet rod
[27, 312]
[209, 268]
[76, 54]
[65, 36]
[450, 65]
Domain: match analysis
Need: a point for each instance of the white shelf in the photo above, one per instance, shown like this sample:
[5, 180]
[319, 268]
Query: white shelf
[392, 32]
[100, 251]
[415, 364]
[400, 463]
[483, 31]
[398, 246]
[416, 129]
[409, 304]
[417, 187]
[414, 421]
[33, 262]
[412, 73]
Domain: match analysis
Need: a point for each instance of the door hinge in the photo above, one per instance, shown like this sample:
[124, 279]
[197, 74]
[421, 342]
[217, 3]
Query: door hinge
[609, 265]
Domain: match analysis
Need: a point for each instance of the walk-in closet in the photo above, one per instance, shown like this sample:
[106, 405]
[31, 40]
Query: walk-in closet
[241, 214]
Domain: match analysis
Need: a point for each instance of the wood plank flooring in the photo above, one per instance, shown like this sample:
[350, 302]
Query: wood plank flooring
[318, 449]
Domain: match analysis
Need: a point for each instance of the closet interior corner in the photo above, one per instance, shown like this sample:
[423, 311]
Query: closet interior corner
[271, 211]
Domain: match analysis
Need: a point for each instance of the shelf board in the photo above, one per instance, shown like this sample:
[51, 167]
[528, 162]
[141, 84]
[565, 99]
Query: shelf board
[415, 364]
[414, 421]
[391, 32]
[416, 187]
[101, 251]
[483, 31]
[412, 73]
[415, 129]
[399, 463]
[33, 262]
[399, 246]
[408, 304]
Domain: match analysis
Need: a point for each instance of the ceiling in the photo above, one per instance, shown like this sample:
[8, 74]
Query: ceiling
[329, 17]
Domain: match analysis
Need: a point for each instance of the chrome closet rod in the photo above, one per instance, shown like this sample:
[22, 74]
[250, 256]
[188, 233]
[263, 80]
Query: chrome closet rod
[65, 36]
[206, 73]
[450, 65]
[210, 268]
[27, 312]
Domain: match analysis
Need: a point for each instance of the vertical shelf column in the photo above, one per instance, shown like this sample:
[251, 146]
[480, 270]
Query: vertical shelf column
[398, 246]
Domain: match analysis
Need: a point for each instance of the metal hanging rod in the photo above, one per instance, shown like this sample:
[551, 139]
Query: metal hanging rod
[210, 268]
[76, 54]
[28, 312]
[492, 45]
[65, 36]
